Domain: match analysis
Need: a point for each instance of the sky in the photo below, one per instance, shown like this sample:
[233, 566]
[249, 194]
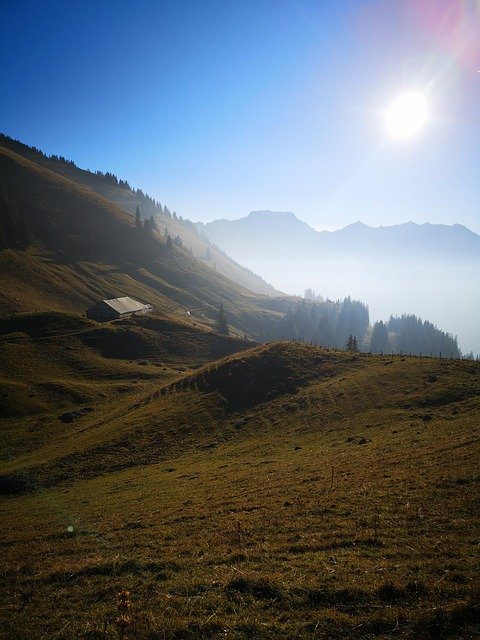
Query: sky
[220, 107]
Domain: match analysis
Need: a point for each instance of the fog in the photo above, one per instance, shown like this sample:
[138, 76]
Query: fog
[448, 295]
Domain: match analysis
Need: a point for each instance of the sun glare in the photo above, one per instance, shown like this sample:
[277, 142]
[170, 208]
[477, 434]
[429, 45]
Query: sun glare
[406, 115]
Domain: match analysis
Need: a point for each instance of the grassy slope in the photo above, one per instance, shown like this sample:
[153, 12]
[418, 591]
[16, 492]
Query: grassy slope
[128, 201]
[87, 248]
[53, 363]
[285, 491]
[328, 500]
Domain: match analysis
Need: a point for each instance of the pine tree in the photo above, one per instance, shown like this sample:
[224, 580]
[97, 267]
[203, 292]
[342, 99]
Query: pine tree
[222, 324]
[138, 219]
[379, 340]
[149, 226]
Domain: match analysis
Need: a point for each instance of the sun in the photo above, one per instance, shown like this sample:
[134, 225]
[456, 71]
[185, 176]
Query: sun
[407, 115]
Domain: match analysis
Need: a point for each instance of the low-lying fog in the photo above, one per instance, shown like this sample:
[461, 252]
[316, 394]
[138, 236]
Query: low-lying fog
[447, 296]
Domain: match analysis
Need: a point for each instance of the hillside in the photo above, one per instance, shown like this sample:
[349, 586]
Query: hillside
[120, 192]
[77, 246]
[288, 490]
[198, 406]
[57, 366]
[67, 247]
[159, 480]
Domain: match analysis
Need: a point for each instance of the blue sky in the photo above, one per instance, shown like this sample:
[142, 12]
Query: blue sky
[217, 108]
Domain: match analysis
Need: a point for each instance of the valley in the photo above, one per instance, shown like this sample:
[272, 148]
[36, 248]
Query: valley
[163, 476]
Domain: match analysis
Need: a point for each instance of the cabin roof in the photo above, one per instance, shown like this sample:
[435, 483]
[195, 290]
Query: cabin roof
[125, 305]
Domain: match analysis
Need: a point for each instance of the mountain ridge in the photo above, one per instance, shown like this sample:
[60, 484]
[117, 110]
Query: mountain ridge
[404, 268]
[129, 199]
[65, 246]
[280, 218]
[82, 247]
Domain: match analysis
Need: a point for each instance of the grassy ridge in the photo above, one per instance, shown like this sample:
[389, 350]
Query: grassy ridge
[84, 247]
[54, 363]
[336, 508]
[128, 200]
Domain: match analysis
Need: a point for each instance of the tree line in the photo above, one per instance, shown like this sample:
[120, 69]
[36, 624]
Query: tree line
[346, 324]
[326, 322]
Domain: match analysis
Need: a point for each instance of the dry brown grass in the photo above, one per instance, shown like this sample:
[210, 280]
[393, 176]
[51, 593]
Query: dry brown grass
[346, 509]
[85, 247]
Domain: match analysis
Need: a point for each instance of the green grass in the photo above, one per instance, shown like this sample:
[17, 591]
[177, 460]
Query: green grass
[325, 506]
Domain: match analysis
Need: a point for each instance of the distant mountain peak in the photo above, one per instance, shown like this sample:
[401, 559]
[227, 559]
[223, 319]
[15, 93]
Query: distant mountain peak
[357, 225]
[273, 217]
[278, 219]
[268, 213]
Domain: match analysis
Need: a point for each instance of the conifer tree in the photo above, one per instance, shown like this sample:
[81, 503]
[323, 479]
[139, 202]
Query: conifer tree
[379, 340]
[147, 226]
[138, 219]
[222, 324]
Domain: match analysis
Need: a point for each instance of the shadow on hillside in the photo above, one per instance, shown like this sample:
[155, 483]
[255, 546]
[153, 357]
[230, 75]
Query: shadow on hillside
[266, 374]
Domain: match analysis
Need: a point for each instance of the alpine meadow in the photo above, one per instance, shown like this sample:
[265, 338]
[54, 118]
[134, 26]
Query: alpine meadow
[220, 419]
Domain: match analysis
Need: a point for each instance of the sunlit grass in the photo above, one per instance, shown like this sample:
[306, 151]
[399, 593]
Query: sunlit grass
[348, 508]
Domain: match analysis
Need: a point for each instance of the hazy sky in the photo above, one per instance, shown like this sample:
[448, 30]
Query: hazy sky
[217, 108]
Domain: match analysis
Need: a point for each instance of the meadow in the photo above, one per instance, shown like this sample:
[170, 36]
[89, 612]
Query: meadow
[335, 497]
[160, 481]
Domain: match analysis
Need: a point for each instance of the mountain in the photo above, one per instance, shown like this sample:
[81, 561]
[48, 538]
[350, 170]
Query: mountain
[279, 228]
[64, 247]
[430, 270]
[120, 192]
[197, 482]
[245, 238]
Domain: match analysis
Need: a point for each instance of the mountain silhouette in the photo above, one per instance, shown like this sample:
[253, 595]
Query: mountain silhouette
[429, 269]
[274, 233]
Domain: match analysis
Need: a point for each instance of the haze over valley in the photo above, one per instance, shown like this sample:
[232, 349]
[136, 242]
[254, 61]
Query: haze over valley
[430, 270]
